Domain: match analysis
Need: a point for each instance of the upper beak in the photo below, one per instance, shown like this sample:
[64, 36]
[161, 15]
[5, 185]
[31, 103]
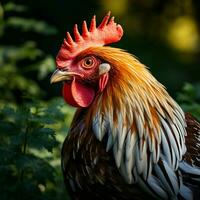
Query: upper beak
[59, 75]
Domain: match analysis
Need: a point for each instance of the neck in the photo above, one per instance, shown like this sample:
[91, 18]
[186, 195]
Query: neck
[137, 115]
[134, 93]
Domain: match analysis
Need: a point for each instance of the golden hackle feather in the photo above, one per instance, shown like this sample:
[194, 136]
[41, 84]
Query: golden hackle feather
[142, 122]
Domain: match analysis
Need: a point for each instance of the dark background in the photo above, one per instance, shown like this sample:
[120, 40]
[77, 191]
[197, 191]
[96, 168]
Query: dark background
[34, 120]
[164, 35]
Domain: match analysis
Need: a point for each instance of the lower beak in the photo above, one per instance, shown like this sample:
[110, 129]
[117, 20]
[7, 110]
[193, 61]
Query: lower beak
[59, 75]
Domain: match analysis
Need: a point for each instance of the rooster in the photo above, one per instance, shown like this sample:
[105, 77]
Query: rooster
[128, 139]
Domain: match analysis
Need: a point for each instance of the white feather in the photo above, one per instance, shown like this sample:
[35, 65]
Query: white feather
[171, 138]
[135, 174]
[140, 126]
[110, 142]
[189, 169]
[138, 161]
[174, 159]
[172, 176]
[178, 138]
[181, 128]
[143, 185]
[157, 152]
[117, 155]
[157, 135]
[130, 148]
[96, 126]
[162, 178]
[144, 159]
[154, 183]
[180, 115]
[121, 138]
[123, 170]
[165, 147]
[150, 165]
[186, 193]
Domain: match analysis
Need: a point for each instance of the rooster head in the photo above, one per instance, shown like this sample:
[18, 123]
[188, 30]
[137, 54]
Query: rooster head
[84, 72]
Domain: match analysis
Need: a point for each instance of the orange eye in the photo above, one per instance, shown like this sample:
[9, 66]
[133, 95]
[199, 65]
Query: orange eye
[88, 62]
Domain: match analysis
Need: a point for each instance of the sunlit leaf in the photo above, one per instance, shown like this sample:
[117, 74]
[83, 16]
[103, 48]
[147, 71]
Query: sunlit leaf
[27, 50]
[31, 25]
[10, 6]
[46, 66]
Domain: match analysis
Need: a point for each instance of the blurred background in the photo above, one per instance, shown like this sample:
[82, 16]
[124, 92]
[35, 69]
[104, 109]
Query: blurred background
[164, 35]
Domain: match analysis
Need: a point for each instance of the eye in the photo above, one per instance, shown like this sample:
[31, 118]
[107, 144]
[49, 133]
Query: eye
[88, 62]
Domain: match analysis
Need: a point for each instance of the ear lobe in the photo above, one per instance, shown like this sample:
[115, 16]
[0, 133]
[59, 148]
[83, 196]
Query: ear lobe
[104, 68]
[103, 80]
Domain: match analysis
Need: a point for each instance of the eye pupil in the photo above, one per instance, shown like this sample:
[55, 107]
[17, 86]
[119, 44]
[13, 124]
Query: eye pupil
[88, 61]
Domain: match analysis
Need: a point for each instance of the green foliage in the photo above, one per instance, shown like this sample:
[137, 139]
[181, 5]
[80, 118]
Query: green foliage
[189, 99]
[10, 6]
[26, 149]
[18, 61]
[31, 25]
[31, 130]
[12, 81]
[30, 149]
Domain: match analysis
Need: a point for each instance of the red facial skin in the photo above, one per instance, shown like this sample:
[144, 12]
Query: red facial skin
[83, 67]
[85, 82]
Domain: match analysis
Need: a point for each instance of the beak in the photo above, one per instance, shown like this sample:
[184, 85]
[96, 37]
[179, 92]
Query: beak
[59, 75]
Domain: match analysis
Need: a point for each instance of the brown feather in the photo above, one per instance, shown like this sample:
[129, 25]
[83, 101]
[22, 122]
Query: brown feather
[89, 171]
[192, 155]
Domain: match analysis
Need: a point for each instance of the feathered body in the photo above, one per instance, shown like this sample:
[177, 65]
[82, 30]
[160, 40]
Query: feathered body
[132, 140]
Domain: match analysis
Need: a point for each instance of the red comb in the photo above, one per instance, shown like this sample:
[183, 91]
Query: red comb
[107, 32]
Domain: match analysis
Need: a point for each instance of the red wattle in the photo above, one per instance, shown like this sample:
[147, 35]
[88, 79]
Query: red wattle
[103, 80]
[67, 94]
[77, 94]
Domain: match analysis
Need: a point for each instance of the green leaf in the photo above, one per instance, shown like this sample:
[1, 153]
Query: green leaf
[27, 50]
[47, 65]
[189, 99]
[10, 6]
[43, 138]
[31, 25]
[187, 94]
